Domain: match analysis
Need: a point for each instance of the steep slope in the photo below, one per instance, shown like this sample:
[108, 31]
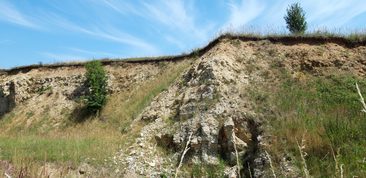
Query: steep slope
[56, 91]
[206, 102]
[223, 102]
[214, 102]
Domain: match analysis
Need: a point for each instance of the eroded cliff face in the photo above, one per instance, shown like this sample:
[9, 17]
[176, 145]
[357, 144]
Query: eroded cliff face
[58, 91]
[210, 105]
[206, 103]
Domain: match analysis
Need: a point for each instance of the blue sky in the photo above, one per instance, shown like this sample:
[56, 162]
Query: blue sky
[50, 31]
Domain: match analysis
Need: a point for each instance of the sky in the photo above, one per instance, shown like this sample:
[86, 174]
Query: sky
[49, 31]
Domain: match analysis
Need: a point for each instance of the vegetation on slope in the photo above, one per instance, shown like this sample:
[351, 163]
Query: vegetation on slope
[92, 141]
[325, 112]
[96, 82]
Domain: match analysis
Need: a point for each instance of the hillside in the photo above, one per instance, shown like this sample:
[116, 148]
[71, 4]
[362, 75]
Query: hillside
[259, 103]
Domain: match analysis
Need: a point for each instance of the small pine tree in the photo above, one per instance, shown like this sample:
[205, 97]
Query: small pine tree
[295, 19]
[96, 82]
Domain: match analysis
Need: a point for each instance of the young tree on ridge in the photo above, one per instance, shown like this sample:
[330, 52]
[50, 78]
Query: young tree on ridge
[295, 19]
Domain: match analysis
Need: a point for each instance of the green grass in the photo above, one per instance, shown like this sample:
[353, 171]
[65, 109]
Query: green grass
[37, 148]
[204, 170]
[326, 112]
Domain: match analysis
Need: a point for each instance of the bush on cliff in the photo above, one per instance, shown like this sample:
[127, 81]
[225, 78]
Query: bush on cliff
[96, 82]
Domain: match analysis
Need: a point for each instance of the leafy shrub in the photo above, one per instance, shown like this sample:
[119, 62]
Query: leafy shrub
[295, 19]
[96, 82]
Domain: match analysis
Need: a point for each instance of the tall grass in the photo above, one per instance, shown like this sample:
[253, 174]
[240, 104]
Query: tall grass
[327, 112]
[279, 32]
[50, 149]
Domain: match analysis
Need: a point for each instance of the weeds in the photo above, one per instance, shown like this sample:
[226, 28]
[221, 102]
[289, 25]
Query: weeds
[361, 98]
[211, 171]
[44, 89]
[303, 154]
[326, 113]
[29, 114]
[271, 164]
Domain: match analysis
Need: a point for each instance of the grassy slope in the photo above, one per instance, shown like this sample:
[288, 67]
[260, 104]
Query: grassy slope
[325, 112]
[94, 139]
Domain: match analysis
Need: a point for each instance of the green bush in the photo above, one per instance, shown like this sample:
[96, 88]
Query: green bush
[96, 82]
[295, 19]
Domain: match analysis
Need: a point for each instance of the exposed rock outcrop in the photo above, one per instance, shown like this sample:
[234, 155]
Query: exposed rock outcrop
[207, 103]
[212, 101]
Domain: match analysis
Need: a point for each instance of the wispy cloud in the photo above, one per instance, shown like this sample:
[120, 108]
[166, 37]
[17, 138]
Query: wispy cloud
[10, 14]
[243, 12]
[335, 15]
[176, 17]
[115, 35]
[318, 13]
[121, 7]
[105, 32]
[172, 13]
[44, 18]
